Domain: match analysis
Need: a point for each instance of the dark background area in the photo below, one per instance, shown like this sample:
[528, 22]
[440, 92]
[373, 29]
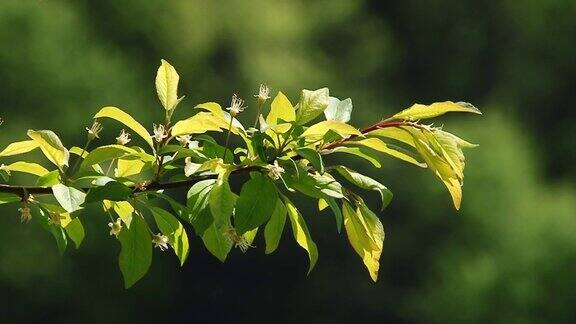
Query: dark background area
[509, 255]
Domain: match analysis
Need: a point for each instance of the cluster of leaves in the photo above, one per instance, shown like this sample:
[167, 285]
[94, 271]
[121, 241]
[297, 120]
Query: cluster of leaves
[282, 154]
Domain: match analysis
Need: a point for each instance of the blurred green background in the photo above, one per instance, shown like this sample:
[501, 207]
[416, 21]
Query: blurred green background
[508, 256]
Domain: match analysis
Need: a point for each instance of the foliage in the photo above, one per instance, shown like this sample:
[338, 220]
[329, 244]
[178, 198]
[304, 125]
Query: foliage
[283, 154]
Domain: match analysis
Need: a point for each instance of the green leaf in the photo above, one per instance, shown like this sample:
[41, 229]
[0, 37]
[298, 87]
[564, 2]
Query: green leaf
[6, 198]
[57, 231]
[198, 200]
[337, 212]
[71, 199]
[378, 145]
[313, 157]
[339, 110]
[365, 182]
[301, 233]
[311, 105]
[222, 201]
[216, 241]
[366, 235]
[19, 148]
[173, 229]
[281, 109]
[256, 203]
[167, 85]
[75, 231]
[136, 253]
[419, 111]
[124, 118]
[275, 227]
[49, 179]
[112, 191]
[358, 151]
[317, 131]
[26, 167]
[51, 146]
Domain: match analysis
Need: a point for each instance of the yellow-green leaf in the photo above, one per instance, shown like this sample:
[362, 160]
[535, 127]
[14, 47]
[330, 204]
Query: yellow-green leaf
[301, 233]
[51, 146]
[212, 107]
[19, 148]
[281, 108]
[419, 111]
[127, 167]
[366, 235]
[318, 131]
[312, 104]
[27, 167]
[380, 146]
[167, 85]
[123, 209]
[124, 118]
[200, 123]
[396, 133]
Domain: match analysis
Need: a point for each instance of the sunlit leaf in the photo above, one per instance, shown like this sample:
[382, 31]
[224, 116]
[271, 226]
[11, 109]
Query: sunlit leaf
[312, 104]
[280, 109]
[212, 107]
[222, 201]
[339, 110]
[123, 209]
[167, 85]
[366, 235]
[27, 167]
[419, 111]
[19, 148]
[124, 118]
[200, 123]
[317, 131]
[51, 146]
[301, 233]
[71, 199]
[378, 145]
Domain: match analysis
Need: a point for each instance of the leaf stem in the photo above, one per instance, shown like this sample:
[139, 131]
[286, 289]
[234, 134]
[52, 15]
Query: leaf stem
[227, 138]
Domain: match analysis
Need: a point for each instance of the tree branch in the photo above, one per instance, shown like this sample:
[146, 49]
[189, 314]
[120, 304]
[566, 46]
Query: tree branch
[22, 191]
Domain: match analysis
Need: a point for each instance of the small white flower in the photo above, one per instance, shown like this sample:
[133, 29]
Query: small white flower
[238, 240]
[160, 241]
[184, 140]
[236, 106]
[115, 227]
[25, 214]
[190, 168]
[263, 94]
[159, 133]
[274, 170]
[123, 138]
[193, 145]
[94, 131]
